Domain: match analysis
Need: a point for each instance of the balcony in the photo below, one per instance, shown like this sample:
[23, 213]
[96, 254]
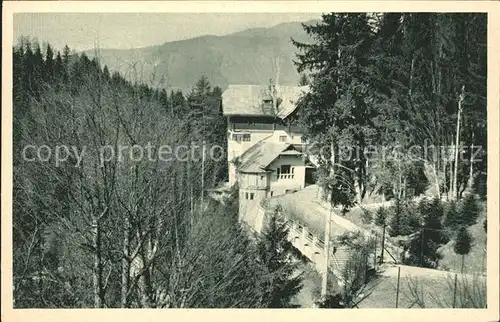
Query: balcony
[285, 176]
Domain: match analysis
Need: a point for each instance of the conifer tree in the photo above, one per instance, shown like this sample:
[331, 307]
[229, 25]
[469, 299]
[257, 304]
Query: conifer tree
[423, 248]
[463, 244]
[282, 283]
[337, 112]
[381, 217]
[452, 219]
[49, 64]
[470, 210]
[398, 219]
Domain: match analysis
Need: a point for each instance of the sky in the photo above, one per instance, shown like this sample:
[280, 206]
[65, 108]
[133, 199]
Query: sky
[133, 30]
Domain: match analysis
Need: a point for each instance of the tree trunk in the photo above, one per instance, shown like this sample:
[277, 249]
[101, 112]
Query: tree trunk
[326, 250]
[446, 176]
[470, 184]
[203, 173]
[457, 143]
[125, 263]
[436, 178]
[463, 262]
[97, 265]
[383, 246]
[358, 184]
[405, 183]
[450, 193]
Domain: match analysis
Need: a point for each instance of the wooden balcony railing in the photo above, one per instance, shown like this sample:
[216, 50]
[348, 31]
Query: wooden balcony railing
[285, 176]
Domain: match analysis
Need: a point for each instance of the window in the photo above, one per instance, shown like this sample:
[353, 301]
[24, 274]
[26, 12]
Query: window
[251, 196]
[286, 169]
[246, 195]
[242, 137]
[262, 178]
[282, 138]
[285, 172]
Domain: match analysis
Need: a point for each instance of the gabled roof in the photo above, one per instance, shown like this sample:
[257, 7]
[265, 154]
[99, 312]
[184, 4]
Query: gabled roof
[248, 100]
[262, 154]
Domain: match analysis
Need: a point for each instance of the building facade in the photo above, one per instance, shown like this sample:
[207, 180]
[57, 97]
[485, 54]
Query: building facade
[265, 146]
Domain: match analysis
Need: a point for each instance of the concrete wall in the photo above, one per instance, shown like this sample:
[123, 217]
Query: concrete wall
[313, 248]
[251, 212]
[254, 216]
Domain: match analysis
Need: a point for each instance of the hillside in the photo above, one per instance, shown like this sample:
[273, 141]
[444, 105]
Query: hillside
[243, 57]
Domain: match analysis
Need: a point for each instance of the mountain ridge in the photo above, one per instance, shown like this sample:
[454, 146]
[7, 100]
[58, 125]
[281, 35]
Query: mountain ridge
[242, 57]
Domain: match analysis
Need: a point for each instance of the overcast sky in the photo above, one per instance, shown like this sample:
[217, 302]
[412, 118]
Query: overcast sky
[132, 30]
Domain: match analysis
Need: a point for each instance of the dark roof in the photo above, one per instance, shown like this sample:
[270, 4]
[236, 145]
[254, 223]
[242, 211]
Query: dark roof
[257, 158]
[248, 100]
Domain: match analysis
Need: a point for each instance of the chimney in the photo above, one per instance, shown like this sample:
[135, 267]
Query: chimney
[274, 95]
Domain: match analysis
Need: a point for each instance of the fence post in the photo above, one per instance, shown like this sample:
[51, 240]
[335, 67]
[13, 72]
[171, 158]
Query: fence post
[304, 235]
[397, 289]
[421, 247]
[455, 292]
[383, 242]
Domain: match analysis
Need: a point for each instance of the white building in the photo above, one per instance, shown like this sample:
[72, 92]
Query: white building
[264, 145]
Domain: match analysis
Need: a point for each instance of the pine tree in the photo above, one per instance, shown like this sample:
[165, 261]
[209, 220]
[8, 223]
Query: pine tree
[282, 283]
[337, 112]
[49, 70]
[423, 248]
[59, 71]
[470, 210]
[398, 219]
[38, 65]
[381, 217]
[433, 222]
[106, 74]
[66, 55]
[463, 244]
[452, 219]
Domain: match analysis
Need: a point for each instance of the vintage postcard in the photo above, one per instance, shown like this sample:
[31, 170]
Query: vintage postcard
[298, 158]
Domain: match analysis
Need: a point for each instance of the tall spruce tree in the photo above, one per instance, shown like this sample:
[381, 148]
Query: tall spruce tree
[470, 210]
[274, 250]
[398, 221]
[463, 244]
[423, 248]
[452, 220]
[338, 111]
